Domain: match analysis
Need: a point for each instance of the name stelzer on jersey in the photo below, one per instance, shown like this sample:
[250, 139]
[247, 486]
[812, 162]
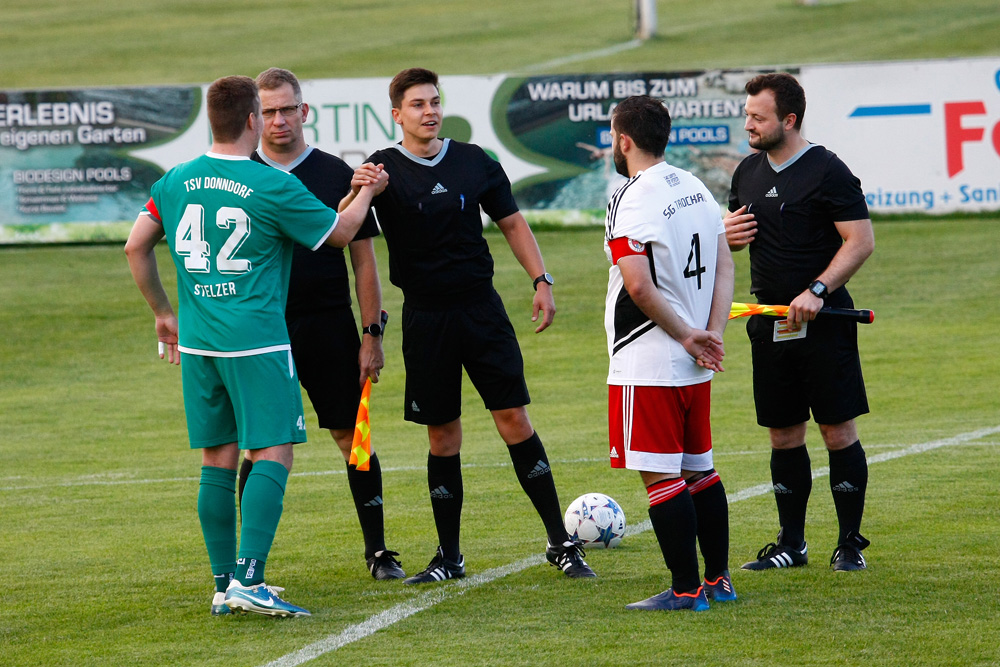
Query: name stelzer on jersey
[218, 183]
[218, 289]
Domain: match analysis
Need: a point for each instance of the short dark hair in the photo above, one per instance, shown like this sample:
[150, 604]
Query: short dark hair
[230, 100]
[275, 77]
[788, 94]
[415, 76]
[646, 121]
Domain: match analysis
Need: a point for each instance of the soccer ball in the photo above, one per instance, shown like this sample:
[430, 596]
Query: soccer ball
[596, 520]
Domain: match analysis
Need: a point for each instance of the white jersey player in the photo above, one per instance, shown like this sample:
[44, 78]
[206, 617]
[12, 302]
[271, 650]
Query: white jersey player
[669, 294]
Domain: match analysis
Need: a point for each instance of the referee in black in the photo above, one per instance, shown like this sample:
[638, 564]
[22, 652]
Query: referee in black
[453, 317]
[804, 216]
[333, 356]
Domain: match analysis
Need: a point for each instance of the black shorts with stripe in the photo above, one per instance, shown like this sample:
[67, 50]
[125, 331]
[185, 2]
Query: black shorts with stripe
[437, 344]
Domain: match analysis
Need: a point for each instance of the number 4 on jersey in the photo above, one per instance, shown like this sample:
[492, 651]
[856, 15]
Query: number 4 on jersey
[694, 269]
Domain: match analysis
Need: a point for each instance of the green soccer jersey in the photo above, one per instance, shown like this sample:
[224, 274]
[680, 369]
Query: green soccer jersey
[230, 223]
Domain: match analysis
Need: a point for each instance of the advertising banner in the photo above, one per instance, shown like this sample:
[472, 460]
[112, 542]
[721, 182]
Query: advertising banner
[922, 136]
[76, 165]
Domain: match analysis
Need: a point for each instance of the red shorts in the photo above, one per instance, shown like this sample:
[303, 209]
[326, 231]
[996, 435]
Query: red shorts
[660, 429]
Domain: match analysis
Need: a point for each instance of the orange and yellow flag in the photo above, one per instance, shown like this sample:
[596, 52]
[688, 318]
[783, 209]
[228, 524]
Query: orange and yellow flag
[361, 448]
[747, 309]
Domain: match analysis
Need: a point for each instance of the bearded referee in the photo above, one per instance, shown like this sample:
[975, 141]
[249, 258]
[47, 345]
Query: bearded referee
[804, 216]
[453, 318]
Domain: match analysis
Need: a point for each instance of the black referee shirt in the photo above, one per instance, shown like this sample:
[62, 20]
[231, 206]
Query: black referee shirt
[319, 279]
[429, 213]
[795, 210]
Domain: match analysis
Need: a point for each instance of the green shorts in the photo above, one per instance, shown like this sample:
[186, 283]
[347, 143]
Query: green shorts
[254, 400]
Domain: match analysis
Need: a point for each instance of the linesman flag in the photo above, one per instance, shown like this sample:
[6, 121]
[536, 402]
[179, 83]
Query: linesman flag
[748, 309]
[361, 447]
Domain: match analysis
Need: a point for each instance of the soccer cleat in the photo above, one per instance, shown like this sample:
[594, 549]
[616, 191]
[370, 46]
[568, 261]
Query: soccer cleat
[260, 599]
[383, 566]
[778, 555]
[720, 589]
[219, 607]
[439, 569]
[569, 559]
[847, 556]
[670, 601]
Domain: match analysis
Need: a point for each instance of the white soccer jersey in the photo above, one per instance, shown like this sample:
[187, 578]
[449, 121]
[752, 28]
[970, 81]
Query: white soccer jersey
[671, 216]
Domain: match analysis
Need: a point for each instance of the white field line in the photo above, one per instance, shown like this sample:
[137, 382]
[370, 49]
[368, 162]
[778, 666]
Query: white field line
[99, 480]
[430, 598]
[586, 55]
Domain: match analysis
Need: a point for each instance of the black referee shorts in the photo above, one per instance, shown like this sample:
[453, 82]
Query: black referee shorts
[438, 343]
[325, 347]
[821, 373]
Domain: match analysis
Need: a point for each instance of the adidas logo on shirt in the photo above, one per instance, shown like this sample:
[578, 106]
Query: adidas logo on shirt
[440, 189]
[540, 469]
[374, 502]
[846, 487]
[441, 493]
[773, 192]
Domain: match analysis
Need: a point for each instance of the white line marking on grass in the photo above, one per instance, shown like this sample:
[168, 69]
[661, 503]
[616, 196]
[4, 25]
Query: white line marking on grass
[587, 55]
[430, 598]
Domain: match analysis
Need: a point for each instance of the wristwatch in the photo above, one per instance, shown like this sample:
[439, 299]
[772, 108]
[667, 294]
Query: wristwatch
[376, 329]
[816, 288]
[544, 278]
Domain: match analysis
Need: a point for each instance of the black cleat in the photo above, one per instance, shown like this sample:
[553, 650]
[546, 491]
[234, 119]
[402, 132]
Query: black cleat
[569, 559]
[439, 569]
[847, 557]
[383, 565]
[778, 555]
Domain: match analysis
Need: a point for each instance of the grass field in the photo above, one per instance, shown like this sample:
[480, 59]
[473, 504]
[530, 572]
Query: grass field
[46, 43]
[103, 562]
[101, 557]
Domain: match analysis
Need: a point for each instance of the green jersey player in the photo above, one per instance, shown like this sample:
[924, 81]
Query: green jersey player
[230, 224]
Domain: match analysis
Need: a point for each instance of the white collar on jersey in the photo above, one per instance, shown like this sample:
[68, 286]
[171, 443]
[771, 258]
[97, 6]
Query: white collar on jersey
[220, 156]
[427, 162]
[790, 161]
[285, 167]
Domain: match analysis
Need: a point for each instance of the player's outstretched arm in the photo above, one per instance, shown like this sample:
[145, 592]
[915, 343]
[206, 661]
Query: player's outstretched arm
[525, 248]
[353, 213]
[703, 345]
[141, 252]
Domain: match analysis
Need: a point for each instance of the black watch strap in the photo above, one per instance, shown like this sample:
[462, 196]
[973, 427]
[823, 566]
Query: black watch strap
[816, 288]
[544, 278]
[376, 329]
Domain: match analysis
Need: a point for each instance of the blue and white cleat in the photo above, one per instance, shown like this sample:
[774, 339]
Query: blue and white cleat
[670, 601]
[219, 607]
[720, 589]
[260, 599]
